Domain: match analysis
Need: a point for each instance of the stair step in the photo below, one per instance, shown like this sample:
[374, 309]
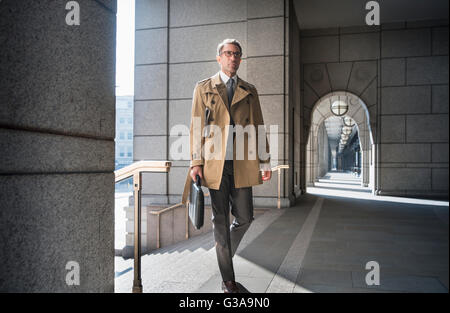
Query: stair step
[174, 255]
[177, 269]
[189, 264]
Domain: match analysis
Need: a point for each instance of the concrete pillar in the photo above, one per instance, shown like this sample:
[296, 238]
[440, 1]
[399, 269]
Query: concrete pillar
[57, 125]
[151, 95]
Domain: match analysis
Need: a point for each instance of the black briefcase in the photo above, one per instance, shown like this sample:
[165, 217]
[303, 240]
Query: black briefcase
[196, 204]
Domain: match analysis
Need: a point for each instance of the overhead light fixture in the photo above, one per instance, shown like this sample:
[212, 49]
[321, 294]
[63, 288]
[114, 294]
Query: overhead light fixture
[347, 130]
[348, 121]
[339, 107]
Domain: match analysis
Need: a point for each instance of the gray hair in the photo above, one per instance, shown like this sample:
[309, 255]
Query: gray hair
[228, 41]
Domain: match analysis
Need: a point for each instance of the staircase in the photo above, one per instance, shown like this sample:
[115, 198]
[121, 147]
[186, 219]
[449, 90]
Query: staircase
[188, 265]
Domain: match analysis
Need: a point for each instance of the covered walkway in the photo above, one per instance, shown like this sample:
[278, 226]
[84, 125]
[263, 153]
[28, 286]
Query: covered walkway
[320, 245]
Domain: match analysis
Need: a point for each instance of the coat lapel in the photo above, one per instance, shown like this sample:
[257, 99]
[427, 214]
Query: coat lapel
[241, 92]
[221, 88]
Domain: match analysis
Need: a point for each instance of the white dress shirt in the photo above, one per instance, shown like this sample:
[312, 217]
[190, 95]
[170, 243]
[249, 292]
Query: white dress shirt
[224, 77]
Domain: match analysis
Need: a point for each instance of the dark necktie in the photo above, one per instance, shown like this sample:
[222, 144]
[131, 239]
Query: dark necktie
[230, 92]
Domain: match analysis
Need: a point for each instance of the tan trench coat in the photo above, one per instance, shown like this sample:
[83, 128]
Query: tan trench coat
[245, 109]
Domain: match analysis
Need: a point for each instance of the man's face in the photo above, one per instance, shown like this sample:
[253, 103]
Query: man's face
[229, 64]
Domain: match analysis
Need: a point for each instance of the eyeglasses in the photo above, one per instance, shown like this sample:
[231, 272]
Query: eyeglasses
[237, 54]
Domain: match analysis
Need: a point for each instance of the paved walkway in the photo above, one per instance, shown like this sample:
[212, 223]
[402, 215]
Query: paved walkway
[322, 244]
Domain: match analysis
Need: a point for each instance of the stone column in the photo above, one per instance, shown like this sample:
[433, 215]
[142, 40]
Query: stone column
[151, 95]
[57, 125]
[364, 137]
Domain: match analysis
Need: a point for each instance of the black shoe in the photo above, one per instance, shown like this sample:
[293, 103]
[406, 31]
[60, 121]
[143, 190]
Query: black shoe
[230, 286]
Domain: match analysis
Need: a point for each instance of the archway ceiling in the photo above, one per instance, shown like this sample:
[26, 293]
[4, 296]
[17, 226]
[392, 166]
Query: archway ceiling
[343, 13]
[333, 124]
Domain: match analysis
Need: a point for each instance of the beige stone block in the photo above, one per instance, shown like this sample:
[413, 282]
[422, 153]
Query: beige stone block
[439, 152]
[154, 183]
[405, 178]
[179, 224]
[150, 82]
[179, 149]
[183, 77]
[200, 12]
[363, 46]
[427, 128]
[393, 128]
[177, 179]
[166, 228]
[151, 46]
[150, 148]
[405, 43]
[150, 118]
[427, 70]
[264, 8]
[406, 100]
[320, 49]
[180, 113]
[199, 43]
[272, 109]
[257, 69]
[265, 36]
[405, 153]
[440, 179]
[151, 13]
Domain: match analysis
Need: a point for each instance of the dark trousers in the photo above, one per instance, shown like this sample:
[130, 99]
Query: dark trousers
[228, 237]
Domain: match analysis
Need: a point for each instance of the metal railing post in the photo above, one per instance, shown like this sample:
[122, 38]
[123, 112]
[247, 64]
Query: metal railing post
[137, 282]
[158, 225]
[279, 189]
[135, 170]
[187, 221]
[279, 168]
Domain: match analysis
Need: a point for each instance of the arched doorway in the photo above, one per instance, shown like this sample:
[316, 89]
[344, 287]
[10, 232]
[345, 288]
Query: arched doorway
[340, 140]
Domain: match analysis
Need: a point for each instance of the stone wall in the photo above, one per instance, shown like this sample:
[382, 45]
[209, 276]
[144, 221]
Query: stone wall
[414, 109]
[176, 44]
[57, 134]
[400, 71]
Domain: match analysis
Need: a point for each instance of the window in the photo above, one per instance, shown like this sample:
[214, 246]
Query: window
[130, 136]
[122, 120]
[130, 151]
[122, 152]
[130, 120]
[122, 135]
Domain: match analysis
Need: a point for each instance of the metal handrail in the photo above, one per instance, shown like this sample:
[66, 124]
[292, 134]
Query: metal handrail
[159, 212]
[135, 170]
[279, 168]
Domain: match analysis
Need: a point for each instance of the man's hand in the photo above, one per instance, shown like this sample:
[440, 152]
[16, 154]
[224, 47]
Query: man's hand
[196, 170]
[266, 175]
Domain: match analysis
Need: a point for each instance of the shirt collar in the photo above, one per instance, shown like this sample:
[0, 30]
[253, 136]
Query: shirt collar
[225, 78]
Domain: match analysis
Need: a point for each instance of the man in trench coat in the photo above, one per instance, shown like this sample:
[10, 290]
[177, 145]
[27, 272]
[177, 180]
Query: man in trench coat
[222, 106]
